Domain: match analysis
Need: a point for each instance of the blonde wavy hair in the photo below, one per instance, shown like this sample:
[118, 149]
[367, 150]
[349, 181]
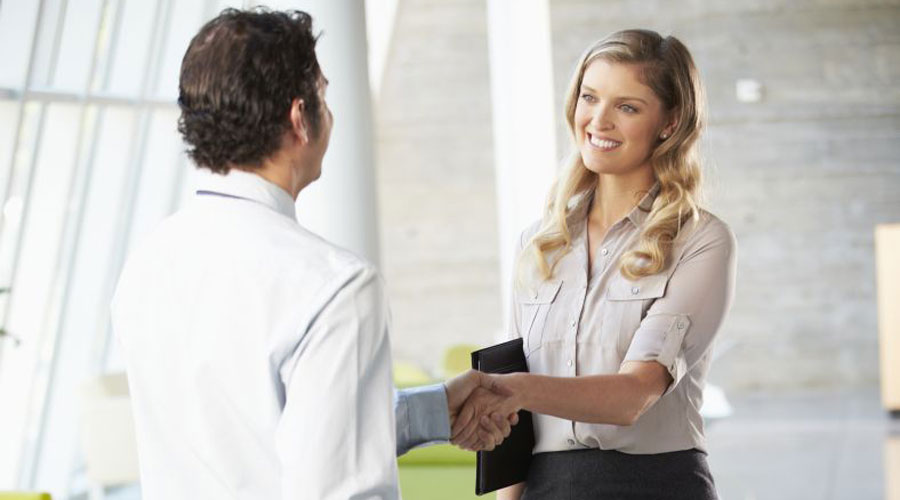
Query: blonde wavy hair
[666, 66]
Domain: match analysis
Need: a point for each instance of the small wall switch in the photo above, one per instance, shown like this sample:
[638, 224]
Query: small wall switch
[748, 90]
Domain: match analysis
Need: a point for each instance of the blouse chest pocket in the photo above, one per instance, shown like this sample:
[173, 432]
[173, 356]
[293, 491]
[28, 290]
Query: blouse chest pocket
[534, 306]
[628, 302]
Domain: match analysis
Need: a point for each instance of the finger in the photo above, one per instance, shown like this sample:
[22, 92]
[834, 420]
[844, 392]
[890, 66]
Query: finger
[485, 441]
[488, 425]
[473, 443]
[468, 434]
[502, 424]
[494, 382]
[514, 418]
[465, 442]
[488, 442]
[463, 439]
[462, 420]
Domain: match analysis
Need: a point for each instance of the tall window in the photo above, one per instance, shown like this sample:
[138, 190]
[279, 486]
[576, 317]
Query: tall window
[89, 160]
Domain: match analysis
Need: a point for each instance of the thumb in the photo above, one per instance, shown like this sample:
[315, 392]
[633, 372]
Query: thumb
[496, 384]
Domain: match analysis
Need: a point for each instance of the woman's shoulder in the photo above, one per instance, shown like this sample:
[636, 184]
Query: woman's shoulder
[708, 229]
[528, 233]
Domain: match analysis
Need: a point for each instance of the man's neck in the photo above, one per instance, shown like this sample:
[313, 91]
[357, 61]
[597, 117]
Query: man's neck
[281, 174]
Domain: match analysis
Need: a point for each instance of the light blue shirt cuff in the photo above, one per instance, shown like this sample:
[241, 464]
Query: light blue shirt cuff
[422, 416]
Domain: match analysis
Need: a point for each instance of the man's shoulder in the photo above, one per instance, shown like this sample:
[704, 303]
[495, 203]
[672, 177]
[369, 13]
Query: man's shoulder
[261, 248]
[306, 258]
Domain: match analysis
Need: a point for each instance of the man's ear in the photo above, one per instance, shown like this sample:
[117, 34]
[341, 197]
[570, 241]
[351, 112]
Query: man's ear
[299, 125]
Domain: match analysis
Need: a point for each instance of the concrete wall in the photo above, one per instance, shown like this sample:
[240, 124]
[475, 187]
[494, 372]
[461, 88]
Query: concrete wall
[802, 176]
[436, 180]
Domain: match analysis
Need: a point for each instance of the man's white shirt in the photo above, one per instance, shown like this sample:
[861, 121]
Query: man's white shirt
[258, 355]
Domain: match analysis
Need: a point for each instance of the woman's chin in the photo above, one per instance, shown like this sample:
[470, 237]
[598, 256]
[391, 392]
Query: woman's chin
[600, 168]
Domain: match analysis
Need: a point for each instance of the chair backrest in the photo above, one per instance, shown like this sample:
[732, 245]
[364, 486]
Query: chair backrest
[107, 431]
[23, 495]
[408, 374]
[457, 359]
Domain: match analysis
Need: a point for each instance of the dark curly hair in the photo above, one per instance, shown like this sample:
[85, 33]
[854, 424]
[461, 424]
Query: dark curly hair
[238, 78]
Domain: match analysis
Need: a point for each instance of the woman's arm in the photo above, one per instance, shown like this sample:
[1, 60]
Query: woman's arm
[513, 492]
[618, 399]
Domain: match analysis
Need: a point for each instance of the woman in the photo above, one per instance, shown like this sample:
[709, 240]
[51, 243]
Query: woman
[622, 286]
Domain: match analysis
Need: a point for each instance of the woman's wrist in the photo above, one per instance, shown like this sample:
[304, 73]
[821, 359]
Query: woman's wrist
[518, 385]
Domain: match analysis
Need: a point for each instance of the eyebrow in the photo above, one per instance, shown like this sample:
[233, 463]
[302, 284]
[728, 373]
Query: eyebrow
[622, 98]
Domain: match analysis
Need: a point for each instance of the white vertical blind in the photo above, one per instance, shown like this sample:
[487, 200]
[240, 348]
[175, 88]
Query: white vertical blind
[90, 161]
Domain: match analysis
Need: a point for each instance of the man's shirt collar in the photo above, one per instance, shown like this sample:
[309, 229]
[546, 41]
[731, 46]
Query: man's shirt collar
[249, 186]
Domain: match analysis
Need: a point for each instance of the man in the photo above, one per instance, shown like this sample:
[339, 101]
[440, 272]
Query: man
[258, 353]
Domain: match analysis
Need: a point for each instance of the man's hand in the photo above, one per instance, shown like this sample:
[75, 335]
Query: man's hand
[468, 400]
[458, 390]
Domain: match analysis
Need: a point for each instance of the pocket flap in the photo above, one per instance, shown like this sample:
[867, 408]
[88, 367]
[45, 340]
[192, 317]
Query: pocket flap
[649, 287]
[545, 293]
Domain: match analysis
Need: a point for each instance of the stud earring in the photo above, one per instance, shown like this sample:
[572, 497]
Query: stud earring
[664, 136]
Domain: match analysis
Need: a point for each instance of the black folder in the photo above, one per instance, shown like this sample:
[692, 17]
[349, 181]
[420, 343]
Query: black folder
[508, 463]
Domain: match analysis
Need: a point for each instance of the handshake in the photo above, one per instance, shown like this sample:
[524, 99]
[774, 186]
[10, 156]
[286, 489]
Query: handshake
[483, 408]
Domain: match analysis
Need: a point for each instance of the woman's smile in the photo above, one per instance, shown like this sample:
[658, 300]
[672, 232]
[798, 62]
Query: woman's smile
[601, 143]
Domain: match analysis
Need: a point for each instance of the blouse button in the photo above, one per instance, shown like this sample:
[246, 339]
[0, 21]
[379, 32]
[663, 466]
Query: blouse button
[569, 363]
[572, 324]
[635, 290]
[570, 442]
[604, 251]
[680, 325]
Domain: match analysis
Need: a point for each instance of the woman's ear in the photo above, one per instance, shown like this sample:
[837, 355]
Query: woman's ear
[299, 126]
[670, 126]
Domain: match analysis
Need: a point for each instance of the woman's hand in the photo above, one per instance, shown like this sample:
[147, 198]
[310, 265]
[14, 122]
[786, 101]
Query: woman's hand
[491, 407]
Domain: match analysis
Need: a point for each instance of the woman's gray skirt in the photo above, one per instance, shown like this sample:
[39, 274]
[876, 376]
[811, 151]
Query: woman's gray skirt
[609, 474]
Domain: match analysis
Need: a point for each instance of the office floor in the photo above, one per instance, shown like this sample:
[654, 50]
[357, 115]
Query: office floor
[795, 446]
[811, 445]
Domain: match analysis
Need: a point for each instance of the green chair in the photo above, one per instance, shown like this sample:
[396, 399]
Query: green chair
[457, 359]
[441, 472]
[23, 495]
[407, 374]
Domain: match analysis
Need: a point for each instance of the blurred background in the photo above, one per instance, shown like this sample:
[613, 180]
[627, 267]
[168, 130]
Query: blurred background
[448, 130]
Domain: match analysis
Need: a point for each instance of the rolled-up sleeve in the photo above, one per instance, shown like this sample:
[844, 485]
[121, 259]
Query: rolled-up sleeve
[680, 326]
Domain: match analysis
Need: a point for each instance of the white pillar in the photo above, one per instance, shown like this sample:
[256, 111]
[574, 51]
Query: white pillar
[341, 206]
[523, 115]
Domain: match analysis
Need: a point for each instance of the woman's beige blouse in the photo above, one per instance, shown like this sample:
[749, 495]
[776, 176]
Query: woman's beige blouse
[575, 324]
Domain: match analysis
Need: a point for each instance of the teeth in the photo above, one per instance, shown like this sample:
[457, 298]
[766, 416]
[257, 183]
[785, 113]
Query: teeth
[603, 143]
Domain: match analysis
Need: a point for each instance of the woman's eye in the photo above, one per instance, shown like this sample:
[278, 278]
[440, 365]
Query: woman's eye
[629, 109]
[587, 98]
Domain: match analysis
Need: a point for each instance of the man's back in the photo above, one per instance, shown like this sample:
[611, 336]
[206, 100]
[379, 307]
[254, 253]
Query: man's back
[257, 354]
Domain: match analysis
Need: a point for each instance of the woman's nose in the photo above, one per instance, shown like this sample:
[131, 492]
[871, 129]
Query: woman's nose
[601, 119]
